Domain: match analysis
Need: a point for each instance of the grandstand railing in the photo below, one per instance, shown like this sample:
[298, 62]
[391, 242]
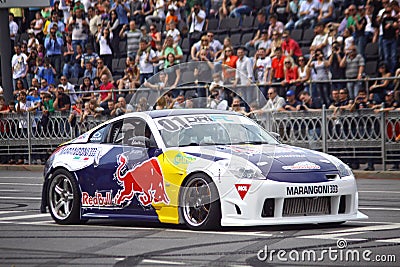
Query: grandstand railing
[355, 137]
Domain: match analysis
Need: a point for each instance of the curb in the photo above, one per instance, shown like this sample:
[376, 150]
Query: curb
[358, 174]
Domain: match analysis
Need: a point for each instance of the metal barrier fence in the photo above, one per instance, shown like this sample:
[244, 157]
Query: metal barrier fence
[355, 137]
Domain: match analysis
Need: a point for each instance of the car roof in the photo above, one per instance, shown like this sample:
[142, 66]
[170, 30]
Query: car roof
[194, 111]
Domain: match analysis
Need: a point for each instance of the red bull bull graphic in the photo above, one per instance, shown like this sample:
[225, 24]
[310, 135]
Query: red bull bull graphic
[146, 179]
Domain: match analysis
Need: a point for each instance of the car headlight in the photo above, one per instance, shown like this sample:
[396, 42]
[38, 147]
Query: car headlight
[242, 169]
[342, 168]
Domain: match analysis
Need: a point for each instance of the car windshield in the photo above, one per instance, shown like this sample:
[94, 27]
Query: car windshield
[202, 130]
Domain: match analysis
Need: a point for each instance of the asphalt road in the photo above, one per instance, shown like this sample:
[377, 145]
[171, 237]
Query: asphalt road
[29, 238]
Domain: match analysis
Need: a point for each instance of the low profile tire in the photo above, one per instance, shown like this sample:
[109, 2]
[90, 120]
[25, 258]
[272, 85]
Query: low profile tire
[200, 205]
[64, 198]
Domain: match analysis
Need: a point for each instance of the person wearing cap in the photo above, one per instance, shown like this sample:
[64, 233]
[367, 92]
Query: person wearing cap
[33, 42]
[292, 104]
[388, 105]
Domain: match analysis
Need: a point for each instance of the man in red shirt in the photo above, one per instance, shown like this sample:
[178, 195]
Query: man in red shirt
[290, 47]
[105, 96]
[277, 70]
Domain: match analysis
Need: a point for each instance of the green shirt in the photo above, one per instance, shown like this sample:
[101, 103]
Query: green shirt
[169, 50]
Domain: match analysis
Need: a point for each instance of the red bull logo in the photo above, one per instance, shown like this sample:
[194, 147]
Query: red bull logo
[145, 179]
[97, 200]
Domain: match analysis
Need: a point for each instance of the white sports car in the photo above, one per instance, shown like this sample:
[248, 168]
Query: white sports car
[204, 168]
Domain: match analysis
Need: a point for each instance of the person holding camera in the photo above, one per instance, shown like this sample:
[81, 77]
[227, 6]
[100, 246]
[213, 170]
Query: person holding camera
[215, 101]
[338, 73]
[196, 21]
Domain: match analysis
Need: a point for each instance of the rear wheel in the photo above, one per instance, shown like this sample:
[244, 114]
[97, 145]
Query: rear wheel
[64, 198]
[200, 205]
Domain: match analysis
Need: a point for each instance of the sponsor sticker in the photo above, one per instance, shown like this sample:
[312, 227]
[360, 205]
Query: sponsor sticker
[312, 190]
[303, 165]
[242, 189]
[98, 200]
[183, 159]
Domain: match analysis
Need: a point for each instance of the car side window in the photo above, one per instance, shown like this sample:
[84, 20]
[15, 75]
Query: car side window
[136, 133]
[99, 136]
[115, 134]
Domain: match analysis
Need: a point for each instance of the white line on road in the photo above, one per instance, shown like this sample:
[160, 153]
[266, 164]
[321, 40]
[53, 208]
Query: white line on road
[22, 217]
[162, 262]
[21, 177]
[378, 208]
[380, 192]
[10, 190]
[27, 184]
[22, 198]
[370, 228]
[334, 236]
[10, 211]
[393, 240]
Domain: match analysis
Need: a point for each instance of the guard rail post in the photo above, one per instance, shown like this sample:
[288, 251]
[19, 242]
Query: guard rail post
[383, 138]
[324, 129]
[29, 133]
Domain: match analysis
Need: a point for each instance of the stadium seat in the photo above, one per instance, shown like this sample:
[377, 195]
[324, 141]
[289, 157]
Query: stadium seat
[372, 51]
[212, 24]
[235, 40]
[246, 37]
[297, 34]
[114, 64]
[73, 81]
[122, 48]
[371, 68]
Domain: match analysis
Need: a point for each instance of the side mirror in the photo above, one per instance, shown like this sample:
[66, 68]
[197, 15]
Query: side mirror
[276, 136]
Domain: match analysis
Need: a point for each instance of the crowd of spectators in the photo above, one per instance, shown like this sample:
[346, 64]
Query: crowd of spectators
[68, 56]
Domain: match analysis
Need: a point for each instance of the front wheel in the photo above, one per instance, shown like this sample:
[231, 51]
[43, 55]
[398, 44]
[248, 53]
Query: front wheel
[200, 205]
[64, 198]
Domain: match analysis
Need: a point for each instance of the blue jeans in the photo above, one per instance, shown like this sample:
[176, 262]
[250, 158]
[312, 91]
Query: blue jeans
[353, 88]
[390, 53]
[239, 11]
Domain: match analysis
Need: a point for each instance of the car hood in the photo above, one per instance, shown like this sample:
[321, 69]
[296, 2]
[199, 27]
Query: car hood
[276, 162]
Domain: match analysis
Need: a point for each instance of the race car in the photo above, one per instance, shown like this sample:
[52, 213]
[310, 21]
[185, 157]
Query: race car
[199, 167]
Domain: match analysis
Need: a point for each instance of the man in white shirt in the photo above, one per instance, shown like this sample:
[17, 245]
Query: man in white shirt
[320, 40]
[146, 58]
[19, 66]
[308, 13]
[13, 28]
[244, 75]
[274, 103]
[69, 89]
[196, 20]
[262, 68]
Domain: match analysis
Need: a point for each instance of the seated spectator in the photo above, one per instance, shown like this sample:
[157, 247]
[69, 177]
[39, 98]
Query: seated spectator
[174, 32]
[76, 111]
[236, 106]
[348, 38]
[173, 74]
[345, 102]
[261, 28]
[155, 37]
[62, 102]
[388, 105]
[335, 100]
[360, 102]
[160, 84]
[292, 104]
[92, 109]
[33, 42]
[277, 69]
[226, 8]
[214, 43]
[145, 61]
[262, 69]
[158, 15]
[245, 7]
[378, 89]
[130, 80]
[69, 89]
[280, 9]
[308, 13]
[204, 43]
[122, 107]
[90, 71]
[86, 86]
[309, 103]
[320, 40]
[219, 55]
[110, 111]
[142, 105]
[290, 47]
[326, 11]
[178, 102]
[396, 86]
[103, 69]
[89, 56]
[218, 83]
[215, 101]
[4, 109]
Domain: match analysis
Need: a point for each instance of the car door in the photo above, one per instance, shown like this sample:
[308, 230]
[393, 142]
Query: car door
[122, 152]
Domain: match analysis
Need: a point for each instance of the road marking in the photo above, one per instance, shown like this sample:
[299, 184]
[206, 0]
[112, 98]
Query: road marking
[370, 228]
[334, 236]
[162, 262]
[23, 217]
[11, 190]
[378, 208]
[11, 211]
[27, 184]
[222, 233]
[381, 192]
[393, 240]
[22, 198]
[20, 177]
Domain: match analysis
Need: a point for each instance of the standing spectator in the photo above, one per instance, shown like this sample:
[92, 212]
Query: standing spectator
[262, 69]
[37, 24]
[275, 43]
[171, 16]
[44, 86]
[121, 8]
[280, 8]
[115, 27]
[105, 96]
[244, 75]
[13, 26]
[215, 101]
[89, 56]
[320, 40]
[94, 21]
[33, 42]
[168, 48]
[90, 71]
[55, 20]
[132, 37]
[174, 32]
[31, 60]
[79, 27]
[147, 9]
[229, 65]
[290, 47]
[145, 60]
[379, 88]
[389, 40]
[304, 75]
[277, 69]
[335, 100]
[68, 68]
[155, 37]
[135, 8]
[338, 72]
[53, 45]
[360, 36]
[62, 102]
[354, 64]
[19, 66]
[173, 74]
[236, 106]
[320, 68]
[291, 74]
[104, 40]
[196, 20]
